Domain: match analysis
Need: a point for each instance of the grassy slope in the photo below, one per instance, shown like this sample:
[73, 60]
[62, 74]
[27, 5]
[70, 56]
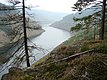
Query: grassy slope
[91, 66]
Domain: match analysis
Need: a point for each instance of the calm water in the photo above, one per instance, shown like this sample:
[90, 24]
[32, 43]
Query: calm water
[48, 40]
[51, 38]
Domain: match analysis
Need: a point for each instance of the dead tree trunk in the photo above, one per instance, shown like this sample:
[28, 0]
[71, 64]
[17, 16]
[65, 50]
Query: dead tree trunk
[25, 36]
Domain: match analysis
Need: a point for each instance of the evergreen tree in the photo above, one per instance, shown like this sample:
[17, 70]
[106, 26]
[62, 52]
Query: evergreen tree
[81, 4]
[88, 24]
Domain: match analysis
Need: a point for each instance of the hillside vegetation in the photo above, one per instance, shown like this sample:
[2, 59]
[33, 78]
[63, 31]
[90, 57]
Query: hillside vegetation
[82, 57]
[58, 66]
[67, 22]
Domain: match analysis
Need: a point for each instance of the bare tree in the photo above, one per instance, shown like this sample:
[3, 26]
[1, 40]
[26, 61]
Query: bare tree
[15, 19]
[25, 36]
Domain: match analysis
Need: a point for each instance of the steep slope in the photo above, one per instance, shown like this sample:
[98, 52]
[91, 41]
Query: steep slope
[67, 22]
[87, 65]
[4, 39]
[9, 29]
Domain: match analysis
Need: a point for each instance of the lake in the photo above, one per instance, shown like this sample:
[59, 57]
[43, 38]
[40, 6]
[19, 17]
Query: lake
[46, 42]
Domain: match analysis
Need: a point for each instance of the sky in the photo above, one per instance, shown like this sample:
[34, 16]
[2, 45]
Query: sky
[51, 5]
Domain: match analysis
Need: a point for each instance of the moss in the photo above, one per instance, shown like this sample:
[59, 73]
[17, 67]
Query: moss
[102, 48]
[85, 47]
[27, 77]
[99, 46]
[56, 68]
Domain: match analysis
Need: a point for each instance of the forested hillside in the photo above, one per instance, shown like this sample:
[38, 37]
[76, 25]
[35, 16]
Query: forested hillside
[68, 21]
[81, 57]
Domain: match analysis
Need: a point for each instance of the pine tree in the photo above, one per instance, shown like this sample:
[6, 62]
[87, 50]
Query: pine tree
[81, 4]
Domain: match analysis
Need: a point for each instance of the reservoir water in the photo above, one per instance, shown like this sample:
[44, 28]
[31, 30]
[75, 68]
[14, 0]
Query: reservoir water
[47, 41]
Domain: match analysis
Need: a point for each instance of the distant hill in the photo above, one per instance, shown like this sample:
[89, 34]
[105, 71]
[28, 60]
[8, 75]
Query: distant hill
[46, 17]
[7, 32]
[2, 5]
[4, 38]
[5, 7]
[67, 22]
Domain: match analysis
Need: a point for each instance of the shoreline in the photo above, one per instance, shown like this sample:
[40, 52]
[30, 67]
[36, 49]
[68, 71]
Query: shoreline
[35, 33]
[3, 48]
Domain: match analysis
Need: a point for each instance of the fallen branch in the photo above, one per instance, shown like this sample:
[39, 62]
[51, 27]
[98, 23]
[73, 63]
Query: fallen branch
[66, 58]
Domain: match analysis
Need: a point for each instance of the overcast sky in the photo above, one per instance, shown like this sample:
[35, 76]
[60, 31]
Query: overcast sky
[51, 5]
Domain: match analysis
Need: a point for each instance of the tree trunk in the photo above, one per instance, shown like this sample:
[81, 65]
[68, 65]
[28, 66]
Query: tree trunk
[103, 20]
[25, 36]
